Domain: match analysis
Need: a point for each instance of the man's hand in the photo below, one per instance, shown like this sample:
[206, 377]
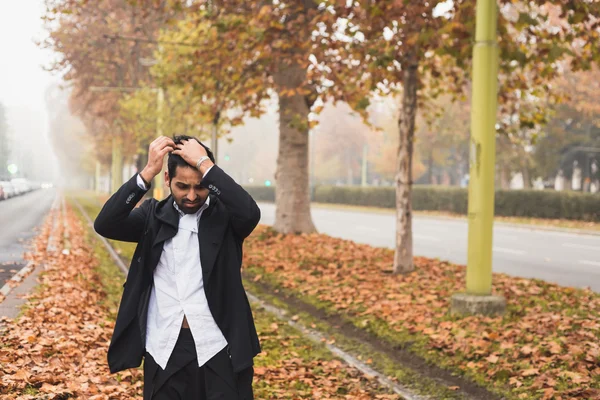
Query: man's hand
[159, 148]
[191, 151]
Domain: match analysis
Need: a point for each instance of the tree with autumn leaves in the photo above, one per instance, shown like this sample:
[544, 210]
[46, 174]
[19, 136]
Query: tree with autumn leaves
[233, 54]
[246, 51]
[423, 49]
[573, 133]
[226, 93]
[86, 37]
[385, 46]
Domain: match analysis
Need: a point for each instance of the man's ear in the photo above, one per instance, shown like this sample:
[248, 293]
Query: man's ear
[167, 180]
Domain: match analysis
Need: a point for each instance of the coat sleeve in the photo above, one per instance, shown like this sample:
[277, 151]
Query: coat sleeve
[119, 219]
[242, 208]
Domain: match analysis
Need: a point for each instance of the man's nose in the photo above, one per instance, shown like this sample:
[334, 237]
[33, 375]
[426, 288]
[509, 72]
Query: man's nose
[191, 196]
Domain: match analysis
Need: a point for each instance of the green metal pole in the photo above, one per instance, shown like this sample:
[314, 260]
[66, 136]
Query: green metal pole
[483, 150]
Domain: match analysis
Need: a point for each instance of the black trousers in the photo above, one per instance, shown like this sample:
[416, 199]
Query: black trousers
[184, 380]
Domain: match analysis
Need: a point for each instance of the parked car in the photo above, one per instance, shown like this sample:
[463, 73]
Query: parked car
[21, 185]
[8, 189]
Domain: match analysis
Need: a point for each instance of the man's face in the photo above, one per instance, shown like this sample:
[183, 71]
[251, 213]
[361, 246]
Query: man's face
[186, 190]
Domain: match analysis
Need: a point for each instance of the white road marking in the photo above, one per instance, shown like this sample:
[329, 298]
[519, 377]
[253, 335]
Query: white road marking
[509, 238]
[586, 262]
[581, 246]
[510, 251]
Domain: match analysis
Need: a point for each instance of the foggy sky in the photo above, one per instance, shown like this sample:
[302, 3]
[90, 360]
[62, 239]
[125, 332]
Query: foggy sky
[23, 80]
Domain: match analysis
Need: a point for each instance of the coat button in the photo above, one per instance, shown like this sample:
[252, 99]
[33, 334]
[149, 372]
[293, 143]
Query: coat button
[139, 259]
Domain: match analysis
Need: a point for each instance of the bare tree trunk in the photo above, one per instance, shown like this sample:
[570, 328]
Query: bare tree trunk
[292, 193]
[403, 257]
[430, 167]
[504, 176]
[526, 173]
[456, 173]
[349, 174]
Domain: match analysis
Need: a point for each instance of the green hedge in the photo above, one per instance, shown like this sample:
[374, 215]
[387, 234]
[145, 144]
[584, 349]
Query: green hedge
[514, 203]
[261, 193]
[548, 204]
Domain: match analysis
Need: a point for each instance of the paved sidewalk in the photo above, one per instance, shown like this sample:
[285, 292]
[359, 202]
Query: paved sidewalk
[11, 306]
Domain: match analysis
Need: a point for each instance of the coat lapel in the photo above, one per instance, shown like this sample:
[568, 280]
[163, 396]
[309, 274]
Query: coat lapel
[210, 237]
[169, 219]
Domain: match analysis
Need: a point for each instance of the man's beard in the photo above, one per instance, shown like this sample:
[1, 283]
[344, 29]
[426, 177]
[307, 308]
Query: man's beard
[189, 208]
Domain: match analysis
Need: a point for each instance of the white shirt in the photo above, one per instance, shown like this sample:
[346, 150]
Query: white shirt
[178, 291]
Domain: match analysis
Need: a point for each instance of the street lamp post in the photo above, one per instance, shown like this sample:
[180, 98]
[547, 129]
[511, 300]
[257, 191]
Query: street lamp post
[478, 297]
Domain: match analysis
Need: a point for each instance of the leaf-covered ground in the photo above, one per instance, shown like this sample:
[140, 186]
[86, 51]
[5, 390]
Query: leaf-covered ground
[57, 348]
[547, 346]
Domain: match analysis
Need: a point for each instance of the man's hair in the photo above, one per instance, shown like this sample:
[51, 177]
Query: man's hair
[175, 160]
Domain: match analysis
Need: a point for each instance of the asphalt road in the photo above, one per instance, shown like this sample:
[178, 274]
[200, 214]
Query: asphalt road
[565, 258]
[19, 216]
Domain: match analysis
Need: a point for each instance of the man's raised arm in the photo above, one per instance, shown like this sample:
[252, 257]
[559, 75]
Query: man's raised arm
[244, 211]
[119, 219]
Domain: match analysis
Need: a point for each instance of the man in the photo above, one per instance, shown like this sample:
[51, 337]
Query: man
[184, 309]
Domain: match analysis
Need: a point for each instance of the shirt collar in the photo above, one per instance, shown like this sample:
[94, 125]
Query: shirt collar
[204, 207]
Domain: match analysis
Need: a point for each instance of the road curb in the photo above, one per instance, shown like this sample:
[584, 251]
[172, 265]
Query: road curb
[115, 256]
[17, 278]
[550, 229]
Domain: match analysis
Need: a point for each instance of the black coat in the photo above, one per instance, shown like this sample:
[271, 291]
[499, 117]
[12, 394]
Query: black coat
[231, 216]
